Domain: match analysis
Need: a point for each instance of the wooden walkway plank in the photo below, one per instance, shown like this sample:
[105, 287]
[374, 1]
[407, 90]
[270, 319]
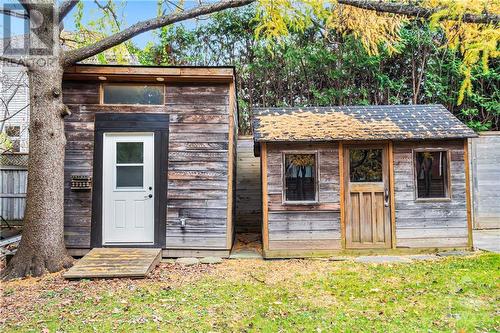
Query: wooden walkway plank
[115, 263]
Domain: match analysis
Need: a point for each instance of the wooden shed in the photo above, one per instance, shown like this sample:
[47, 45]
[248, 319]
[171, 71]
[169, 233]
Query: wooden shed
[150, 158]
[363, 179]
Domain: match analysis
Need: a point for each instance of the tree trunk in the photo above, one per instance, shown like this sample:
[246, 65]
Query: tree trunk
[42, 246]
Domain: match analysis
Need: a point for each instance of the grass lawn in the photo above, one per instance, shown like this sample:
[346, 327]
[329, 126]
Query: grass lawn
[451, 294]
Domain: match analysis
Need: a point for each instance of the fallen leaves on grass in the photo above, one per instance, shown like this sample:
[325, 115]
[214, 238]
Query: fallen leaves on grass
[256, 295]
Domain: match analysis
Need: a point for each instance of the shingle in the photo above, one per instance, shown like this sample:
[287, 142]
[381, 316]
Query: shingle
[377, 122]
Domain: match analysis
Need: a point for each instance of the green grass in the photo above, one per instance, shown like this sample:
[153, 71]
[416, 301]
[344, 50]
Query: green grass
[453, 294]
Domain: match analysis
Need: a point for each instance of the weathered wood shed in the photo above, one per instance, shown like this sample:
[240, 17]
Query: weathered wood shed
[150, 158]
[336, 179]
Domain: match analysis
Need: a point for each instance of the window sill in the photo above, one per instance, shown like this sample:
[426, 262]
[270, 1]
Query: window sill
[433, 200]
[131, 105]
[300, 203]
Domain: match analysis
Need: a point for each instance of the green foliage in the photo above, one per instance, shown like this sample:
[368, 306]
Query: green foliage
[105, 19]
[5, 143]
[315, 67]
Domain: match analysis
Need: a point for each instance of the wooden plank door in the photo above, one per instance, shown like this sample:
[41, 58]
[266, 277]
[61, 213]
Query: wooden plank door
[367, 206]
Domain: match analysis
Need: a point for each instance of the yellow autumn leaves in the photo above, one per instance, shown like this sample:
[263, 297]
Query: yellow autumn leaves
[301, 160]
[477, 43]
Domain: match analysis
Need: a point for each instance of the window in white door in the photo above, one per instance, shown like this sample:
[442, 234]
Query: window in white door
[129, 165]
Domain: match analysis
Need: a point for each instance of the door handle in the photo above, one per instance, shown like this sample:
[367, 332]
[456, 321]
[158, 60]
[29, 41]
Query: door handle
[149, 196]
[386, 197]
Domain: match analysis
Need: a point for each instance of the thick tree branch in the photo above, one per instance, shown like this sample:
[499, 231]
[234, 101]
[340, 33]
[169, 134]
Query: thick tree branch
[13, 13]
[71, 57]
[66, 7]
[416, 11]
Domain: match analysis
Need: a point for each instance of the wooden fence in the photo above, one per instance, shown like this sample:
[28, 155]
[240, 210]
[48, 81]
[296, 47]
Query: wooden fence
[248, 188]
[13, 181]
[485, 172]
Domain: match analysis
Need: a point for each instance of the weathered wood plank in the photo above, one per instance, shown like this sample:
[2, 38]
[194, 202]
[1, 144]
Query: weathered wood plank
[198, 157]
[426, 224]
[322, 244]
[304, 227]
[248, 188]
[485, 179]
[114, 263]
[13, 187]
[432, 242]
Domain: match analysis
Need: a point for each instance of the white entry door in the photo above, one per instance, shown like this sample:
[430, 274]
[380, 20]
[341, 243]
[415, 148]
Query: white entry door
[128, 188]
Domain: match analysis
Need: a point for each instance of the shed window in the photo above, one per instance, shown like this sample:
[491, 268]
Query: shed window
[143, 94]
[431, 169]
[129, 164]
[365, 165]
[300, 177]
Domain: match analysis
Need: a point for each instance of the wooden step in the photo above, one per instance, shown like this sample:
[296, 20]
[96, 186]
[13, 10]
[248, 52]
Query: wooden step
[115, 263]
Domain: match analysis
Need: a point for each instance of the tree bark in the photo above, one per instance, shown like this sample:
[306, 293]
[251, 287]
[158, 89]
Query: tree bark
[411, 10]
[42, 247]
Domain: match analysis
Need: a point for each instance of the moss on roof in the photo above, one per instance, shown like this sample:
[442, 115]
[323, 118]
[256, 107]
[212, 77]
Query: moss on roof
[357, 123]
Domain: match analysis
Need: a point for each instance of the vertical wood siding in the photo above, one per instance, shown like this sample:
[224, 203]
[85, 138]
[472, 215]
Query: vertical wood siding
[13, 193]
[248, 188]
[485, 174]
[429, 224]
[304, 227]
[197, 166]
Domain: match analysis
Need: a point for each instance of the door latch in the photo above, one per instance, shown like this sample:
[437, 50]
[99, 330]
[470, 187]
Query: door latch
[386, 197]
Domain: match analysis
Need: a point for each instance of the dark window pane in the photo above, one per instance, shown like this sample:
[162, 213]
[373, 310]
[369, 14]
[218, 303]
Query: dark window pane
[133, 94]
[16, 145]
[432, 174]
[365, 165]
[129, 176]
[300, 177]
[13, 131]
[129, 152]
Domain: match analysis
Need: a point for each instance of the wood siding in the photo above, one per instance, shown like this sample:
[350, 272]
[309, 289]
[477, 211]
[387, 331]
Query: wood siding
[485, 174]
[429, 224]
[197, 163]
[248, 188]
[13, 185]
[304, 227]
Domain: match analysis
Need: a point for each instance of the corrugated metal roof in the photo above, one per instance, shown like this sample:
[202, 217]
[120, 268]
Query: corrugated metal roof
[378, 122]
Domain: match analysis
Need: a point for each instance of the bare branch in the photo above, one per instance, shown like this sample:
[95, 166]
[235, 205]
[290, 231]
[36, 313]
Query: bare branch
[107, 8]
[71, 57]
[416, 11]
[66, 7]
[12, 115]
[12, 82]
[13, 13]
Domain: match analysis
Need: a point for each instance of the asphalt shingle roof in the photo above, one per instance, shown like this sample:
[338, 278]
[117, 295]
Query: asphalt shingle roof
[378, 122]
